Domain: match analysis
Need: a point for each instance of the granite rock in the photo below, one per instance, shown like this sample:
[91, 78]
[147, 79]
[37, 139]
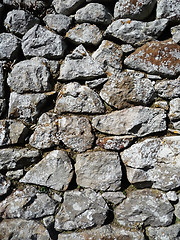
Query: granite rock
[67, 7]
[4, 185]
[169, 10]
[175, 31]
[174, 113]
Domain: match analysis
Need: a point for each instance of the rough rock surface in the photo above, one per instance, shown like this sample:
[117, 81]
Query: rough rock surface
[177, 208]
[174, 113]
[172, 196]
[114, 197]
[169, 10]
[96, 83]
[2, 89]
[175, 31]
[66, 7]
[4, 185]
[2, 106]
[17, 174]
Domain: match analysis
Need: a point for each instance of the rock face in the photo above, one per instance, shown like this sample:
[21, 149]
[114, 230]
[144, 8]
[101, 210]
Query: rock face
[4, 185]
[66, 7]
[174, 113]
[169, 10]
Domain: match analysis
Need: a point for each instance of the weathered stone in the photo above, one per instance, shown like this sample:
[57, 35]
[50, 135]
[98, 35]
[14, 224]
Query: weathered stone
[19, 22]
[2, 89]
[81, 209]
[137, 9]
[80, 66]
[154, 77]
[85, 33]
[57, 197]
[114, 197]
[95, 83]
[19, 229]
[156, 58]
[15, 174]
[127, 48]
[136, 32]
[128, 88]
[58, 22]
[12, 132]
[138, 121]
[174, 113]
[177, 208]
[99, 170]
[116, 143]
[2, 106]
[176, 125]
[175, 31]
[4, 185]
[9, 46]
[41, 42]
[30, 75]
[74, 97]
[94, 13]
[66, 7]
[56, 171]
[14, 158]
[145, 207]
[48, 221]
[169, 10]
[154, 162]
[161, 104]
[172, 196]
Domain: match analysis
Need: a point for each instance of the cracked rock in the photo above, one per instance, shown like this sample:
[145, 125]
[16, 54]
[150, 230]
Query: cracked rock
[169, 10]
[67, 7]
[174, 113]
[175, 31]
[4, 185]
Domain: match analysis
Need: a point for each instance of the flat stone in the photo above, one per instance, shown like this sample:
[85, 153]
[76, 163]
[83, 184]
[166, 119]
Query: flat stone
[114, 197]
[17, 174]
[85, 33]
[136, 32]
[154, 77]
[75, 98]
[22, 229]
[174, 113]
[80, 66]
[4, 185]
[137, 9]
[175, 31]
[128, 88]
[96, 83]
[56, 171]
[81, 209]
[94, 13]
[12, 132]
[156, 58]
[138, 121]
[58, 22]
[30, 76]
[169, 10]
[2, 89]
[2, 106]
[177, 208]
[99, 170]
[127, 48]
[41, 42]
[19, 22]
[9, 46]
[172, 196]
[67, 7]
[161, 104]
[143, 208]
[154, 162]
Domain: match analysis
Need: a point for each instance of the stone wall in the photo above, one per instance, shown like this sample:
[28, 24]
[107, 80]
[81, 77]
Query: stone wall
[89, 120]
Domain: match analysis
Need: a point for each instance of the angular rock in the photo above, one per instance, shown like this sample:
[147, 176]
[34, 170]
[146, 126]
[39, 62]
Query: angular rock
[48, 221]
[58, 22]
[2, 89]
[176, 125]
[12, 132]
[169, 10]
[175, 31]
[81, 209]
[154, 77]
[128, 88]
[95, 83]
[154, 162]
[145, 207]
[127, 48]
[74, 97]
[161, 104]
[174, 113]
[85, 33]
[19, 22]
[66, 7]
[99, 170]
[94, 13]
[136, 32]
[56, 171]
[4, 185]
[172, 196]
[2, 106]
[41, 42]
[9, 46]
[138, 121]
[15, 174]
[80, 66]
[156, 58]
[17, 229]
[114, 197]
[137, 9]
[177, 208]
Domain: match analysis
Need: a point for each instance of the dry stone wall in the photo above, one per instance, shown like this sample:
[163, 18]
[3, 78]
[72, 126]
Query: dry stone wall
[90, 120]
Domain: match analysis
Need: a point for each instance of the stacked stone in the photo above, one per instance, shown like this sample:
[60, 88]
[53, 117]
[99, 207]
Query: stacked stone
[90, 119]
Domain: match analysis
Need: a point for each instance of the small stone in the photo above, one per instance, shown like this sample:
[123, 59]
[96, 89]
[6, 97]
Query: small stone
[114, 197]
[41, 42]
[127, 48]
[76, 98]
[81, 209]
[48, 221]
[99, 170]
[15, 174]
[4, 185]
[9, 46]
[2, 88]
[176, 125]
[177, 208]
[96, 83]
[94, 13]
[164, 233]
[154, 77]
[67, 7]
[85, 33]
[174, 113]
[169, 10]
[2, 106]
[175, 31]
[58, 22]
[57, 197]
[172, 196]
[19, 22]
[161, 104]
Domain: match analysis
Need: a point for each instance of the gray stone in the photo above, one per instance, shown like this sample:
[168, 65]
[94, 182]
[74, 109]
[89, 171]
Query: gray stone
[12, 132]
[138, 121]
[48, 221]
[14, 158]
[127, 48]
[174, 113]
[2, 106]
[15, 174]
[161, 104]
[2, 89]
[9, 46]
[128, 88]
[114, 197]
[80, 66]
[30, 76]
[57, 197]
[96, 83]
[169, 10]
[4, 185]
[177, 208]
[154, 77]
[156, 58]
[19, 229]
[85, 33]
[136, 32]
[134, 9]
[58, 22]
[176, 125]
[41, 42]
[74, 97]
[81, 209]
[56, 171]
[172, 196]
[175, 31]
[19, 22]
[94, 13]
[67, 7]
[99, 170]
[145, 207]
[154, 162]
[164, 233]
